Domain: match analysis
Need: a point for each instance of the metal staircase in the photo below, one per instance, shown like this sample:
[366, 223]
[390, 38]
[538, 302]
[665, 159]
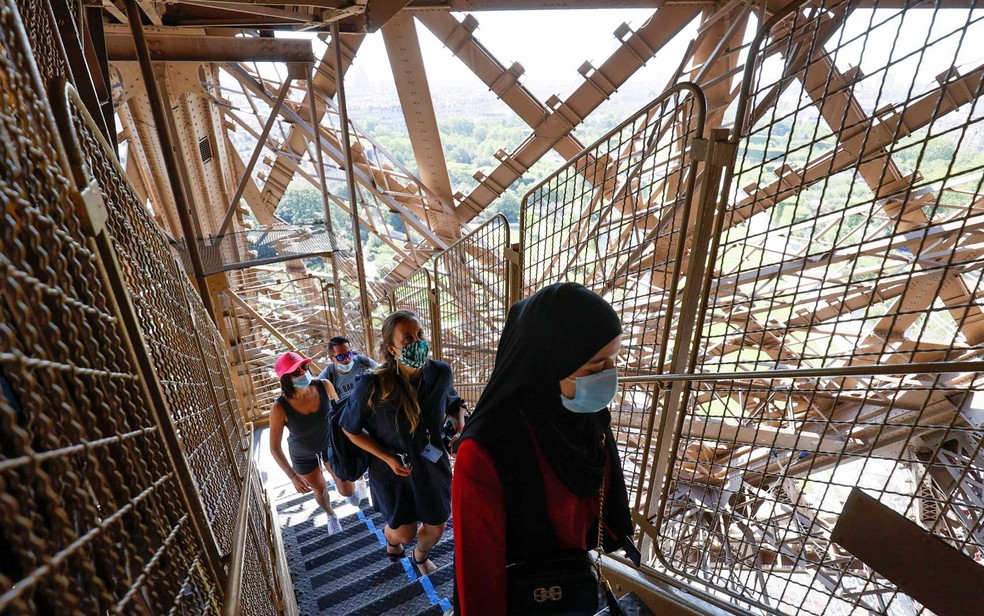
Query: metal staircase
[339, 565]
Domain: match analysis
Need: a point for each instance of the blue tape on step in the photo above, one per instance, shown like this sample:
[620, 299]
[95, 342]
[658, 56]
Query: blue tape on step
[381, 537]
[408, 568]
[445, 605]
[429, 590]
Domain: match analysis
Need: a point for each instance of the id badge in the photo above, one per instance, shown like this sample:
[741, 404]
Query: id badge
[432, 453]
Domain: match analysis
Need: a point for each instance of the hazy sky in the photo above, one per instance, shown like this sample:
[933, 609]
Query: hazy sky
[550, 45]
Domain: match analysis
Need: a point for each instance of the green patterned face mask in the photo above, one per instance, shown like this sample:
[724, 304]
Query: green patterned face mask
[414, 355]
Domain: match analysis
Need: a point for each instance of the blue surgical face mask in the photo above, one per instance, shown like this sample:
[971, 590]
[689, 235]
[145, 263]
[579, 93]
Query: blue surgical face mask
[302, 381]
[592, 392]
[345, 368]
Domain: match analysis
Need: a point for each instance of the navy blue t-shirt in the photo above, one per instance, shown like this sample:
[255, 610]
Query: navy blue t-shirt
[424, 496]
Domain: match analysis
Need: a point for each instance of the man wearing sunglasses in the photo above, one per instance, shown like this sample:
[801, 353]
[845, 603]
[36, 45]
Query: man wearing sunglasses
[346, 366]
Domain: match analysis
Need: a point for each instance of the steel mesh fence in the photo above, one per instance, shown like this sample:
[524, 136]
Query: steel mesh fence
[415, 294]
[92, 511]
[46, 45]
[844, 296]
[258, 574]
[471, 280]
[165, 304]
[616, 219]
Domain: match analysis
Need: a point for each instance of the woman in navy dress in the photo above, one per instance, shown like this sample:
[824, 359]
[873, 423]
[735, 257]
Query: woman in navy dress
[396, 413]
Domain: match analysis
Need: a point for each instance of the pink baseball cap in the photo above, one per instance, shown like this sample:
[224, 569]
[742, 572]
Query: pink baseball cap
[289, 362]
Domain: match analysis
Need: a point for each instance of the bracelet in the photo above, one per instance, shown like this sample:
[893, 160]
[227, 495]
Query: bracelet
[292, 476]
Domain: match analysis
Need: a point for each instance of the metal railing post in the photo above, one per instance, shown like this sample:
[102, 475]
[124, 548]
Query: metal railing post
[360, 267]
[717, 152]
[325, 201]
[234, 582]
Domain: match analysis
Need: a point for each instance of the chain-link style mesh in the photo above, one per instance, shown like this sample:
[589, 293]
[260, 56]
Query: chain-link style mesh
[46, 45]
[230, 413]
[845, 293]
[165, 304]
[258, 575]
[616, 218]
[289, 301]
[93, 517]
[471, 282]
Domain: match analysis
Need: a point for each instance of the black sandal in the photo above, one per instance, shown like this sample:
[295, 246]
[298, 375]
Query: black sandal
[418, 563]
[396, 556]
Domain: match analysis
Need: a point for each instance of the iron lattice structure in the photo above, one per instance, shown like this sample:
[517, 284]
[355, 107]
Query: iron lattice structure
[125, 452]
[471, 287]
[275, 311]
[800, 292]
[842, 314]
[616, 219]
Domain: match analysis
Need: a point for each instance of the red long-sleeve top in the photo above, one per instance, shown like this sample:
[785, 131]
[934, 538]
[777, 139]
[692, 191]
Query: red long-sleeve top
[480, 526]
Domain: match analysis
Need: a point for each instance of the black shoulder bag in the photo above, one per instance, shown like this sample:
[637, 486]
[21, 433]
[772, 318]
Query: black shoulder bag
[567, 583]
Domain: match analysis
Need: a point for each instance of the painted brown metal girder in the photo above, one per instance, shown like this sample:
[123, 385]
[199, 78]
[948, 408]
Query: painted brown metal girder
[378, 12]
[403, 49]
[325, 82]
[636, 49]
[458, 37]
[185, 48]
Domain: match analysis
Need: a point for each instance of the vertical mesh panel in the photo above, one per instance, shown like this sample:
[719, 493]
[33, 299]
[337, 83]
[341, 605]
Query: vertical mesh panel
[258, 575]
[175, 336]
[414, 294]
[844, 297]
[93, 518]
[616, 219]
[470, 279]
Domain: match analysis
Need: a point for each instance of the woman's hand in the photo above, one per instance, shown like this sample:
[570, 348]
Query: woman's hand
[397, 466]
[300, 484]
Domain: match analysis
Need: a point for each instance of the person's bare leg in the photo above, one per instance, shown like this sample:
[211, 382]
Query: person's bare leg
[396, 537]
[427, 538]
[345, 488]
[320, 489]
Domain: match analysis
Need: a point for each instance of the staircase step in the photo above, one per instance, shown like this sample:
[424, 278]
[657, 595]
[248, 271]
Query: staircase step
[339, 566]
[400, 600]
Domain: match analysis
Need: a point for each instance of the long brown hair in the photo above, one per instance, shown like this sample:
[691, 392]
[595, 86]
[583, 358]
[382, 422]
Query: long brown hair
[392, 385]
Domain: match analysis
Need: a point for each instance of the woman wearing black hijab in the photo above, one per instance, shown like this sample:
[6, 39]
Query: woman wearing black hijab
[537, 453]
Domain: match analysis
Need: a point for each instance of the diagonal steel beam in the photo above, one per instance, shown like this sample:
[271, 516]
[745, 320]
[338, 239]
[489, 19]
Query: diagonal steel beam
[458, 36]
[403, 49]
[636, 49]
[260, 143]
[330, 148]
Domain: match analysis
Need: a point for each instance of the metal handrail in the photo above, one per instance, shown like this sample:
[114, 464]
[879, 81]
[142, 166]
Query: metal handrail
[234, 580]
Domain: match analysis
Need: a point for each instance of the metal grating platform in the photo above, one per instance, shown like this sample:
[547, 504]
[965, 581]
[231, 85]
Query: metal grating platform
[339, 566]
